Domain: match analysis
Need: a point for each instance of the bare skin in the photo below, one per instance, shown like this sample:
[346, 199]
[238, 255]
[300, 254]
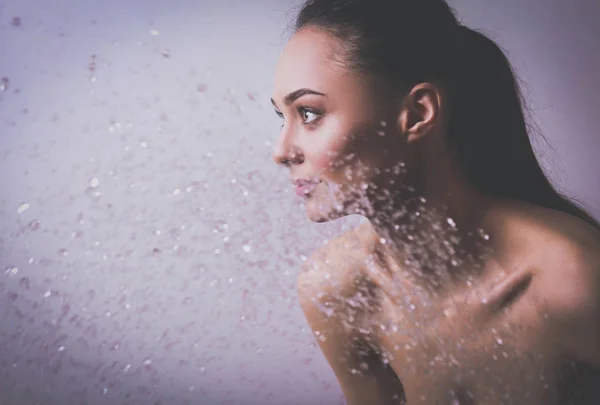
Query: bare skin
[495, 340]
[420, 305]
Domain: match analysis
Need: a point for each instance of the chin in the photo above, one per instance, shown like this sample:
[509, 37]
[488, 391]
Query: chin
[321, 213]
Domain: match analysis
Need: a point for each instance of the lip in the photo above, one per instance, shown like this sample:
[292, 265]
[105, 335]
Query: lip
[304, 187]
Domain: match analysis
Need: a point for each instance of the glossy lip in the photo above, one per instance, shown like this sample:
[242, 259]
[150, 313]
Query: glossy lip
[304, 187]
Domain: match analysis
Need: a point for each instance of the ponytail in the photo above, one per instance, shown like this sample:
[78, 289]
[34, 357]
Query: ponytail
[488, 130]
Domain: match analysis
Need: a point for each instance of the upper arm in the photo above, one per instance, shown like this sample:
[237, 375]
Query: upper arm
[324, 288]
[572, 308]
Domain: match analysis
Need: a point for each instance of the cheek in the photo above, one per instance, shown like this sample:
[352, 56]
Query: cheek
[335, 154]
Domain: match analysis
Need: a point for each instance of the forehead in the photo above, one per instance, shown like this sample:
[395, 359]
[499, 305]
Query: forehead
[307, 61]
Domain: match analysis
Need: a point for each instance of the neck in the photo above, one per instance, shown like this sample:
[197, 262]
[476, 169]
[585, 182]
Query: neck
[437, 235]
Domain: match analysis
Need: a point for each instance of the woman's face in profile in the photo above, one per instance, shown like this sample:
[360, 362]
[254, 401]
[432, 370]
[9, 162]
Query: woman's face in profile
[334, 138]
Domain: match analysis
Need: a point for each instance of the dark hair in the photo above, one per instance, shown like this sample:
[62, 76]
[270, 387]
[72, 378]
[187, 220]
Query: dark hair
[406, 42]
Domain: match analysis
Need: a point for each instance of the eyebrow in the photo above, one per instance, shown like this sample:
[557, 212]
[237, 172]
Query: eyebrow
[294, 95]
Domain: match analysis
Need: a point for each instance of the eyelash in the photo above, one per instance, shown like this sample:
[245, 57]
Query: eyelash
[302, 111]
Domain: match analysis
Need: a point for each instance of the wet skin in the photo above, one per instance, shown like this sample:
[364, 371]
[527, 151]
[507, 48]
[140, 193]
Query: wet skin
[493, 340]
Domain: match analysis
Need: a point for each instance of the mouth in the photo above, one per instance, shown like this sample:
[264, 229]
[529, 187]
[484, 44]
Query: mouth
[305, 187]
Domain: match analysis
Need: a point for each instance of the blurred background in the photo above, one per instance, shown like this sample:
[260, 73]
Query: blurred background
[149, 246]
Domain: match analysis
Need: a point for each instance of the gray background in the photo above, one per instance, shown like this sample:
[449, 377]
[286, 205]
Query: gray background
[149, 246]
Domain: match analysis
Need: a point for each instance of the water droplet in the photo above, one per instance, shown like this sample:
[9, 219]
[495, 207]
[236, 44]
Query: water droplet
[47, 294]
[104, 391]
[364, 186]
[246, 248]
[12, 270]
[144, 144]
[94, 183]
[154, 33]
[381, 133]
[499, 341]
[4, 84]
[383, 123]
[451, 222]
[202, 369]
[61, 349]
[217, 251]
[383, 241]
[22, 208]
[127, 367]
[412, 307]
[176, 191]
[233, 181]
[147, 362]
[191, 388]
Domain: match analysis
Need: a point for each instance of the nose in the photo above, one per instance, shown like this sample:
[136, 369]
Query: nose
[287, 154]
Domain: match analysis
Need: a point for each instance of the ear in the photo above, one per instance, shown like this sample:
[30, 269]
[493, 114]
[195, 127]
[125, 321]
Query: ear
[420, 112]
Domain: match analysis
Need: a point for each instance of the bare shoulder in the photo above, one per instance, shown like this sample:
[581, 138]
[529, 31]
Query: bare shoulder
[566, 253]
[336, 268]
[565, 260]
[336, 298]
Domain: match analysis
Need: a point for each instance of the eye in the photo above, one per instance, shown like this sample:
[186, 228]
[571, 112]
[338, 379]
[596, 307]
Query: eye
[308, 116]
[279, 114]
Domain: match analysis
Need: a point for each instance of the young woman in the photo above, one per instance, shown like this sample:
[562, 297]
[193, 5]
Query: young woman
[474, 281]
